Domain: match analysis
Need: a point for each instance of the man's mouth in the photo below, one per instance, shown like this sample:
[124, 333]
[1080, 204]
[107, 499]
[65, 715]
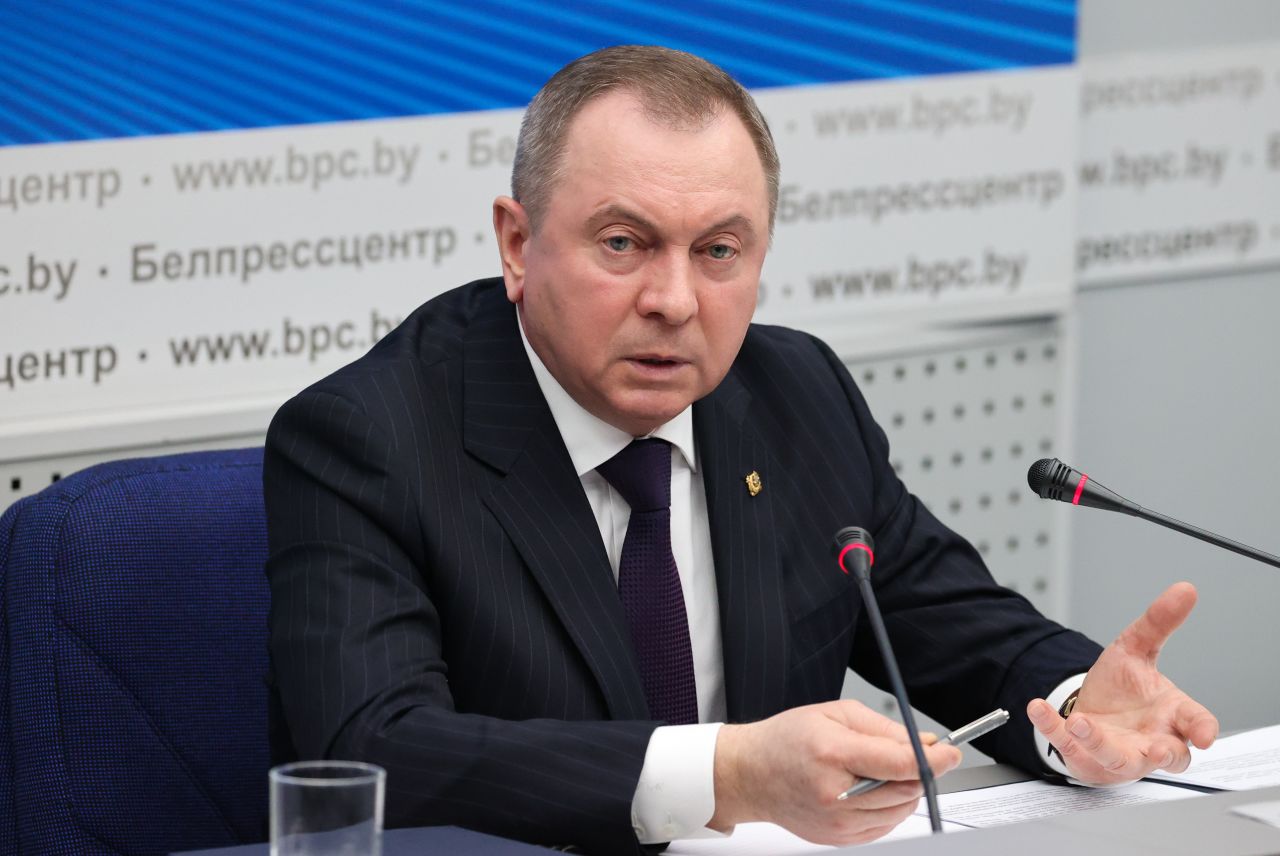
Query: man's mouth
[657, 365]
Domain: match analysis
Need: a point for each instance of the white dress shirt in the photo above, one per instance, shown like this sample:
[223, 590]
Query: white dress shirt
[675, 797]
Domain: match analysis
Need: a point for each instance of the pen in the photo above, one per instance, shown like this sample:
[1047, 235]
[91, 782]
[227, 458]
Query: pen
[959, 737]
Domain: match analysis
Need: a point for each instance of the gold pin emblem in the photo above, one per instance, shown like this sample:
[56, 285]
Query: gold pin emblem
[754, 485]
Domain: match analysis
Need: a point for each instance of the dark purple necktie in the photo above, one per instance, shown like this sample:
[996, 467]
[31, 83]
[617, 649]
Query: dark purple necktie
[649, 584]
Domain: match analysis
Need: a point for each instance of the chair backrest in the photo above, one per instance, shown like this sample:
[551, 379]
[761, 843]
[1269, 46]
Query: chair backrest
[133, 659]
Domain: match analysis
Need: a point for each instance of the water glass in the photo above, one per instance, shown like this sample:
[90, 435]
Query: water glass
[327, 808]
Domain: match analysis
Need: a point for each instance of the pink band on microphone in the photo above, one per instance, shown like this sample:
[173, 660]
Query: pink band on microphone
[1079, 489]
[849, 547]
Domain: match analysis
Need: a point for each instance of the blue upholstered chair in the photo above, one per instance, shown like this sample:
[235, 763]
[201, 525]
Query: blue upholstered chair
[133, 659]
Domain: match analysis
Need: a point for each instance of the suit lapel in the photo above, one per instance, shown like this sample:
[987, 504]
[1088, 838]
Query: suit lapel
[753, 622]
[540, 503]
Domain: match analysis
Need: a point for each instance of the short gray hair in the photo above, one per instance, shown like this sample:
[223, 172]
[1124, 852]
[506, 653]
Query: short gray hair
[675, 88]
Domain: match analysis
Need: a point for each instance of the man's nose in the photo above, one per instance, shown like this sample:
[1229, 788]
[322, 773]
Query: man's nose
[671, 293]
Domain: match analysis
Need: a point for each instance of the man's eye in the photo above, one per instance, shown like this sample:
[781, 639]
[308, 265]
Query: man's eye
[721, 252]
[618, 243]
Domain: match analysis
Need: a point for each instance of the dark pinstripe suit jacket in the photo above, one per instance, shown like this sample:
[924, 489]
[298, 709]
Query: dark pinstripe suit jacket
[442, 603]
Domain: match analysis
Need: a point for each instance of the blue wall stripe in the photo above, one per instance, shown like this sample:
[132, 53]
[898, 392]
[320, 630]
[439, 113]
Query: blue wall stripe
[187, 64]
[967, 22]
[121, 93]
[303, 73]
[35, 105]
[447, 51]
[38, 133]
[1057, 7]
[617, 30]
[41, 123]
[87, 69]
[402, 31]
[1005, 52]
[490, 35]
[391, 80]
[842, 64]
[681, 31]
[173, 70]
[83, 101]
[873, 38]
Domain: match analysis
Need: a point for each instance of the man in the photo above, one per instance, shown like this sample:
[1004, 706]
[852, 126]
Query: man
[474, 585]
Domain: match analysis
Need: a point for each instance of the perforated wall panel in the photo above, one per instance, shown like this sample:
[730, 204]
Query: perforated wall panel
[964, 422]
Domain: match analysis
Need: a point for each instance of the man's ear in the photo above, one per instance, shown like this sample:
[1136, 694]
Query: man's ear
[511, 226]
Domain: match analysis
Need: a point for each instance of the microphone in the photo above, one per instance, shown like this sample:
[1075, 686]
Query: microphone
[854, 548]
[1050, 478]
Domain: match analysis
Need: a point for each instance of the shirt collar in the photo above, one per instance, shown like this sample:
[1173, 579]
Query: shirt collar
[592, 441]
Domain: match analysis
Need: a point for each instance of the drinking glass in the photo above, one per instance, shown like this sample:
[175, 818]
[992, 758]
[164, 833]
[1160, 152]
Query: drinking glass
[327, 808]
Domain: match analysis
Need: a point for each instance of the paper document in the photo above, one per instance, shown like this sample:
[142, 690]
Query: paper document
[1031, 800]
[766, 839]
[1241, 762]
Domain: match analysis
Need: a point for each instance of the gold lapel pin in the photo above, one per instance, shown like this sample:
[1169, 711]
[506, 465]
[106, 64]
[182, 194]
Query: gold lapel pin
[754, 485]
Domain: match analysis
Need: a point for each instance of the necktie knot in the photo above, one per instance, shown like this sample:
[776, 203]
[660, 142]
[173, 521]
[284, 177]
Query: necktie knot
[641, 473]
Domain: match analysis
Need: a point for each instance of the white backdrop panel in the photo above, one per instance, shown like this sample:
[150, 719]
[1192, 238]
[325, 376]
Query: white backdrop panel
[1180, 163]
[918, 201]
[170, 288]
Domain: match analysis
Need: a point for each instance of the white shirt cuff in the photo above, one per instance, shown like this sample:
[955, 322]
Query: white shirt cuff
[1056, 699]
[676, 794]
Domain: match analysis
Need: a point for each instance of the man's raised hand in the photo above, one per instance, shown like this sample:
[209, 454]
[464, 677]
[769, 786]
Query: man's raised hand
[1129, 718]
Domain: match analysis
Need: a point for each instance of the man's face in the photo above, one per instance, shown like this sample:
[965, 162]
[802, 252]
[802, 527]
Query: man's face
[637, 289]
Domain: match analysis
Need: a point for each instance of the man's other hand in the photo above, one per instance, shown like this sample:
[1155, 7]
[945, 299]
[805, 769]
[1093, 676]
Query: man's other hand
[1129, 719]
[790, 768]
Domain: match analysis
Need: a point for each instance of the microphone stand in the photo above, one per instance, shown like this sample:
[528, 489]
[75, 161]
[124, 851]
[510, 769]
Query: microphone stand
[1205, 535]
[858, 542]
[1050, 478]
[900, 693]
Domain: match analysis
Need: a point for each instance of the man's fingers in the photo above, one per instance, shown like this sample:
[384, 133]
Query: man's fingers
[882, 821]
[873, 825]
[859, 717]
[878, 758]
[1168, 753]
[1147, 635]
[1094, 755]
[1196, 723]
[875, 833]
[890, 759]
[1054, 728]
[854, 824]
[943, 759]
[1110, 754]
[888, 795]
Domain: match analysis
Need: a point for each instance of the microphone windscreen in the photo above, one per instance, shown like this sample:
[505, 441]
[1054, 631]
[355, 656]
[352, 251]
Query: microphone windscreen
[853, 535]
[1039, 474]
